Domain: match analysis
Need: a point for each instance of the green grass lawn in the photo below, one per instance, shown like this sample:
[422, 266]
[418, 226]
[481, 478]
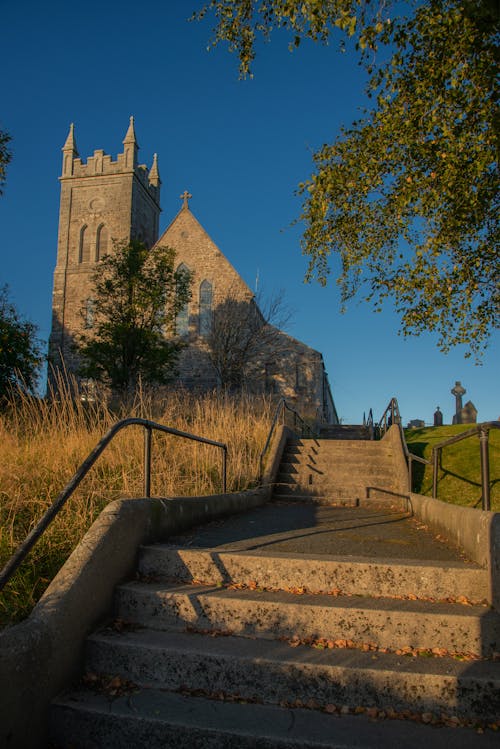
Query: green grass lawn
[459, 475]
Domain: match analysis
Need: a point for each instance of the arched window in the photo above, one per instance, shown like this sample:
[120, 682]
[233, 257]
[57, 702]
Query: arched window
[84, 248]
[89, 313]
[182, 320]
[205, 307]
[101, 242]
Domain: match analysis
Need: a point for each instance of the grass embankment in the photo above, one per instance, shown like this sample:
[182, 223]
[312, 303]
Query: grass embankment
[459, 475]
[43, 443]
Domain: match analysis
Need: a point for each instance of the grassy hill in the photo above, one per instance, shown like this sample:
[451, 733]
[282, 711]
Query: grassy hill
[459, 477]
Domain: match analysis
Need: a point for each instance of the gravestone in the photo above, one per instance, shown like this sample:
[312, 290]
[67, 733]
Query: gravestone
[438, 417]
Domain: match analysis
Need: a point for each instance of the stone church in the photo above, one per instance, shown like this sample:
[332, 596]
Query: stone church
[103, 201]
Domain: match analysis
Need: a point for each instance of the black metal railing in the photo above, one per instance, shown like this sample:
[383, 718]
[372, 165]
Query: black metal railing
[392, 415]
[482, 431]
[281, 408]
[369, 424]
[81, 472]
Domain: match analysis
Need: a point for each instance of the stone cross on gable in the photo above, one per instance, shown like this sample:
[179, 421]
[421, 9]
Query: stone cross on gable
[186, 196]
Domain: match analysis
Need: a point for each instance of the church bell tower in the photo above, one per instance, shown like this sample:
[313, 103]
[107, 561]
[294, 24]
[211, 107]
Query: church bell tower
[103, 202]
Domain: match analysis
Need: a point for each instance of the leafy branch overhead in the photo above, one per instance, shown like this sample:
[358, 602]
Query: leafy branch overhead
[406, 198]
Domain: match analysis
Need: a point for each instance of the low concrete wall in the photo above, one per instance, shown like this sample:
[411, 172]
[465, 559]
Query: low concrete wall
[42, 655]
[393, 438]
[283, 433]
[475, 532]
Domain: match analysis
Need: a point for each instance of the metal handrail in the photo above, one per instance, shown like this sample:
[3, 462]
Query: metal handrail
[281, 406]
[368, 422]
[392, 415]
[482, 431]
[85, 467]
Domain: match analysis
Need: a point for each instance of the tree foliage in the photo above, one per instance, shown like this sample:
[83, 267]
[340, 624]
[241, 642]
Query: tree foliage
[20, 354]
[137, 295]
[406, 198]
[244, 334]
[5, 157]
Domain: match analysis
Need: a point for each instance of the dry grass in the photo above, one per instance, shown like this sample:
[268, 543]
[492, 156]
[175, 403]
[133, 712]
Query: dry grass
[43, 443]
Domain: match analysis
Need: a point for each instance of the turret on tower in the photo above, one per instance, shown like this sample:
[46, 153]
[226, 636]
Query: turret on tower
[131, 146]
[70, 152]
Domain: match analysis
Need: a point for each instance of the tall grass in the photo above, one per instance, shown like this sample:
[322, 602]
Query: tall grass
[43, 442]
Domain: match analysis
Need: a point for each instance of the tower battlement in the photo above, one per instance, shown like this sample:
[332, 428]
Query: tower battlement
[101, 164]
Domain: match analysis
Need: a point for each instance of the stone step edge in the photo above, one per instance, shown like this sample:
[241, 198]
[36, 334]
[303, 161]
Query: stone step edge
[277, 615]
[149, 711]
[348, 657]
[461, 579]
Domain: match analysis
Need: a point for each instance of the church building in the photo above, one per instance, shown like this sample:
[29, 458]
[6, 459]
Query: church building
[105, 201]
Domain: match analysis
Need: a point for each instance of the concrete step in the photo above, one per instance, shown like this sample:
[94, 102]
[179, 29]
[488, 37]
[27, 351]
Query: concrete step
[340, 498]
[344, 431]
[158, 720]
[385, 622]
[329, 462]
[274, 672]
[340, 447]
[347, 495]
[308, 477]
[316, 573]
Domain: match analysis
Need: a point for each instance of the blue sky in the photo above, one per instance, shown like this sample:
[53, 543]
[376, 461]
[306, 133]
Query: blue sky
[240, 148]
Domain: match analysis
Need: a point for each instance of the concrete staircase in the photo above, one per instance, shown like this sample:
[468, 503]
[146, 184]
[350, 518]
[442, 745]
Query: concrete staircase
[344, 471]
[249, 647]
[241, 659]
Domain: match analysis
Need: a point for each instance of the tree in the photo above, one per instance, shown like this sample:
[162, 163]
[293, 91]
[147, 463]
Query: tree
[244, 334]
[137, 295]
[20, 355]
[5, 157]
[406, 198]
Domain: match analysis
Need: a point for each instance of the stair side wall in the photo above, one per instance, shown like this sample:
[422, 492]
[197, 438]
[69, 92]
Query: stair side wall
[42, 655]
[475, 532]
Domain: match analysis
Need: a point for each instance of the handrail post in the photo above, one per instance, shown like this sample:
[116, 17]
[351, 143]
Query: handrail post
[435, 463]
[485, 468]
[147, 461]
[224, 469]
[410, 473]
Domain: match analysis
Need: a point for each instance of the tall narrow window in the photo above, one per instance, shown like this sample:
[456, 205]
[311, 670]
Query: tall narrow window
[89, 313]
[101, 243]
[84, 249]
[182, 320]
[205, 307]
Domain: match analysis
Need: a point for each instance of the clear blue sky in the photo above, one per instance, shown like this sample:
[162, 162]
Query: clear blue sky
[240, 148]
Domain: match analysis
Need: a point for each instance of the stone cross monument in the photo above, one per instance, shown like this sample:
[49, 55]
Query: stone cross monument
[463, 414]
[458, 391]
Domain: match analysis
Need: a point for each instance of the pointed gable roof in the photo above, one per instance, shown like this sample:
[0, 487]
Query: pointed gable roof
[195, 248]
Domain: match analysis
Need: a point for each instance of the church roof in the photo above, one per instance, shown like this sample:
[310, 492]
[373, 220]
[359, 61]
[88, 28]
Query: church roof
[196, 249]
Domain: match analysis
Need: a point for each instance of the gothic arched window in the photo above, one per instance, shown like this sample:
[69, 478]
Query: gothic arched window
[205, 307]
[89, 313]
[101, 242]
[84, 247]
[182, 319]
